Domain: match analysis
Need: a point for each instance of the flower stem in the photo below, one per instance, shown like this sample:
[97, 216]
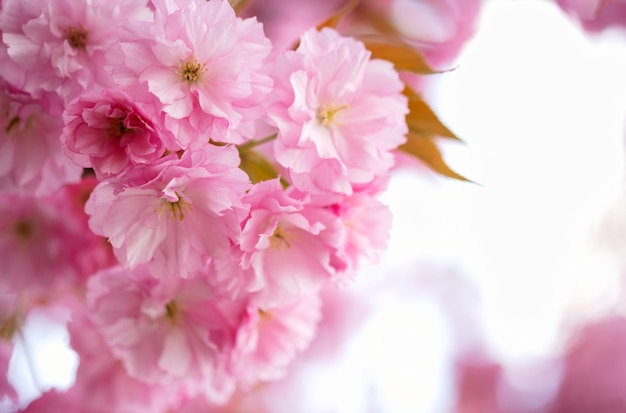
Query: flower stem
[30, 361]
[254, 144]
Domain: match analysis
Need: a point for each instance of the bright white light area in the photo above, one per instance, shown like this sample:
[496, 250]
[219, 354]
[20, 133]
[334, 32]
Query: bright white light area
[542, 109]
[42, 358]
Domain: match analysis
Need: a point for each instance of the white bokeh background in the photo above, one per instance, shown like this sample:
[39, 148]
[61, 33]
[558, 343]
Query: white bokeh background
[542, 110]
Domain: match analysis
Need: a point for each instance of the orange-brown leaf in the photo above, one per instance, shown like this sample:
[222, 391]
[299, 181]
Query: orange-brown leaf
[422, 120]
[334, 20]
[404, 56]
[256, 166]
[237, 5]
[425, 149]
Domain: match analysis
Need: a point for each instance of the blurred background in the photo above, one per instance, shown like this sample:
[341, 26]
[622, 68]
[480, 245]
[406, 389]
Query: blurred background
[503, 295]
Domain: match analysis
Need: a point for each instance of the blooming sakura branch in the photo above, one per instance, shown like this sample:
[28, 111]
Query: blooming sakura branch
[186, 190]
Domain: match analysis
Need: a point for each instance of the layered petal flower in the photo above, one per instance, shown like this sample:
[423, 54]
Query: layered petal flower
[111, 134]
[175, 215]
[270, 337]
[32, 160]
[100, 369]
[365, 225]
[289, 246]
[172, 332]
[59, 46]
[35, 246]
[204, 66]
[339, 113]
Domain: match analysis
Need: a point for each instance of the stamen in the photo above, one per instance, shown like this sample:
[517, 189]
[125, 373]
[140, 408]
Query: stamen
[77, 37]
[24, 229]
[8, 329]
[172, 310]
[117, 128]
[264, 315]
[192, 71]
[177, 208]
[12, 124]
[280, 238]
[326, 115]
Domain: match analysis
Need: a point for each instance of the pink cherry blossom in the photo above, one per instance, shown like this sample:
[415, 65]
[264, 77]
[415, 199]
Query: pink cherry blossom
[282, 234]
[270, 337]
[339, 113]
[102, 382]
[284, 22]
[109, 133]
[439, 28]
[171, 332]
[366, 223]
[204, 66]
[34, 241]
[31, 157]
[46, 247]
[54, 401]
[60, 45]
[176, 214]
[88, 252]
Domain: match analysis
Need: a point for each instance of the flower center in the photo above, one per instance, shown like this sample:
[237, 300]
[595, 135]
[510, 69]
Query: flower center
[24, 229]
[8, 329]
[279, 239]
[264, 315]
[191, 72]
[13, 123]
[177, 208]
[172, 310]
[117, 128]
[326, 114]
[77, 37]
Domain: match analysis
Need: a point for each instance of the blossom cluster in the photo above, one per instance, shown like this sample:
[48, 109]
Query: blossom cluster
[190, 188]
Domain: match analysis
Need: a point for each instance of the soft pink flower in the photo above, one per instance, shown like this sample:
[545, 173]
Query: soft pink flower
[35, 246]
[339, 113]
[366, 223]
[596, 15]
[109, 133]
[439, 28]
[595, 369]
[284, 22]
[204, 66]
[32, 160]
[176, 214]
[171, 332]
[60, 45]
[102, 382]
[270, 337]
[54, 401]
[288, 246]
[89, 252]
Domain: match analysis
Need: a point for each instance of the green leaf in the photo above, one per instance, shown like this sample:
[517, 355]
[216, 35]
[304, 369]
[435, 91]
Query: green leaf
[422, 120]
[256, 166]
[425, 149]
[404, 56]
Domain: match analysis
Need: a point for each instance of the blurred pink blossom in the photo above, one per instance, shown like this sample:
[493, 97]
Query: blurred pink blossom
[596, 15]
